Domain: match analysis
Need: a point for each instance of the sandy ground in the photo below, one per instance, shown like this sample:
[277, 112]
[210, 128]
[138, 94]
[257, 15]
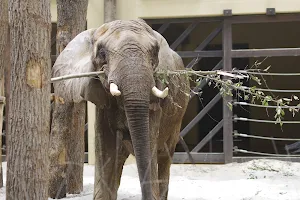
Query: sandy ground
[254, 180]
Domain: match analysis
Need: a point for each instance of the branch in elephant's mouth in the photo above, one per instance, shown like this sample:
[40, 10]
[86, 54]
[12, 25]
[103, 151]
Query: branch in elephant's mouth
[101, 73]
[71, 76]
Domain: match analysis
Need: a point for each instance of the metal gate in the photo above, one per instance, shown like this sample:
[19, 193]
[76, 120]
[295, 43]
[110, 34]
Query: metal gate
[227, 54]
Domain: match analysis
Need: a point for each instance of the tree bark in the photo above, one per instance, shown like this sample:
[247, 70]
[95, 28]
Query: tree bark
[29, 116]
[110, 10]
[60, 128]
[3, 64]
[75, 150]
[67, 134]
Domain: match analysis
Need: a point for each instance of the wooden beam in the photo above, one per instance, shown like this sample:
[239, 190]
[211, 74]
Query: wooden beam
[184, 20]
[200, 115]
[208, 137]
[195, 54]
[227, 113]
[290, 17]
[163, 27]
[213, 158]
[264, 18]
[245, 53]
[185, 33]
[203, 44]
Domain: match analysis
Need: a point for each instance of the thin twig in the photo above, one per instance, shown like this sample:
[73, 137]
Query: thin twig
[71, 76]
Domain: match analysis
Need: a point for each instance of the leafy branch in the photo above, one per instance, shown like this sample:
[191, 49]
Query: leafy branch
[234, 83]
[226, 82]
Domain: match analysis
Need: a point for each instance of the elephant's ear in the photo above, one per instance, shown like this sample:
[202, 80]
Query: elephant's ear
[94, 92]
[76, 58]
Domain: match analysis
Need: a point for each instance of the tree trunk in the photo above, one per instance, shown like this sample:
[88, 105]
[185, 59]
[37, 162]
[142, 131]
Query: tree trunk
[110, 10]
[75, 150]
[29, 116]
[2, 102]
[3, 64]
[67, 134]
[60, 128]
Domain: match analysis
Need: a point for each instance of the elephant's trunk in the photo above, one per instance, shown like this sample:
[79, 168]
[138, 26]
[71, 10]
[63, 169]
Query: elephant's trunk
[136, 93]
[138, 121]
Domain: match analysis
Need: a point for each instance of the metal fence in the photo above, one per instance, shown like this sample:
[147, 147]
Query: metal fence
[296, 146]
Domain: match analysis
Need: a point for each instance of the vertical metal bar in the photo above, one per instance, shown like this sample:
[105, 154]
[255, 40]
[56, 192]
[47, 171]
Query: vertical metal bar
[227, 113]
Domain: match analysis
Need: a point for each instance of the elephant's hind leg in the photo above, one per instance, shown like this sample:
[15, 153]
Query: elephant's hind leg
[164, 164]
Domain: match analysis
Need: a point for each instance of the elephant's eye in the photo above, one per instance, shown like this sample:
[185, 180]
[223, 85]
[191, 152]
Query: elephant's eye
[102, 54]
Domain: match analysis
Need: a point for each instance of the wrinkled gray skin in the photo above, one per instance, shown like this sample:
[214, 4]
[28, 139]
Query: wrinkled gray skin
[136, 122]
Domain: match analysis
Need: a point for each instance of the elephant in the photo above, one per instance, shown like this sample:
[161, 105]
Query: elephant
[137, 111]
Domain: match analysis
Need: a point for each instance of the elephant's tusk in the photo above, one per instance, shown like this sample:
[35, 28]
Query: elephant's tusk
[160, 94]
[114, 90]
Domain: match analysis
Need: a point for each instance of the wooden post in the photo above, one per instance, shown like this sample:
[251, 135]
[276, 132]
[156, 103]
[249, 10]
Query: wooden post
[67, 129]
[110, 10]
[29, 108]
[91, 133]
[4, 63]
[227, 113]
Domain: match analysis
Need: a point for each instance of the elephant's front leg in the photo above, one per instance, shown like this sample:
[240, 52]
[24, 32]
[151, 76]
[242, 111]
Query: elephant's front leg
[110, 157]
[154, 128]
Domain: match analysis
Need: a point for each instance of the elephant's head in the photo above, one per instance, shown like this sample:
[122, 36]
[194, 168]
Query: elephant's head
[127, 51]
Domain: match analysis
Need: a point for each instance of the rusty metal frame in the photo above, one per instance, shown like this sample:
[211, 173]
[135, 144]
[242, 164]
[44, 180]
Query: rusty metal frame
[227, 54]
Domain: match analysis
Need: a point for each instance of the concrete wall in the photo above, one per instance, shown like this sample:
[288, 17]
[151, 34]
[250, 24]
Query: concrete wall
[132, 9]
[126, 9]
[196, 8]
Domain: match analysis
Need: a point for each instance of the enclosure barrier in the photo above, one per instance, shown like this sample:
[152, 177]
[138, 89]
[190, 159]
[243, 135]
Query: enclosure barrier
[227, 54]
[236, 149]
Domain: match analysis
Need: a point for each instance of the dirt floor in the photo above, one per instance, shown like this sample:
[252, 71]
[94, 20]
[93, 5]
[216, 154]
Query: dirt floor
[254, 180]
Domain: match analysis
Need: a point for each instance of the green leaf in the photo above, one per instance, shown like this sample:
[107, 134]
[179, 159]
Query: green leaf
[256, 79]
[278, 110]
[260, 93]
[252, 89]
[282, 112]
[229, 106]
[229, 93]
[265, 103]
[268, 98]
